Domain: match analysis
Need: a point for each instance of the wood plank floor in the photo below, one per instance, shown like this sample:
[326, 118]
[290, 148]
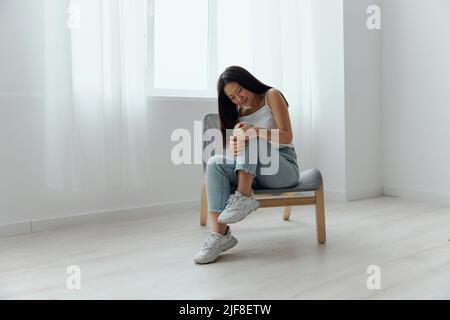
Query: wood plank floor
[153, 258]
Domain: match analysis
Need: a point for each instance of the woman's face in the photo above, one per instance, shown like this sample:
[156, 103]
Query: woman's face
[239, 95]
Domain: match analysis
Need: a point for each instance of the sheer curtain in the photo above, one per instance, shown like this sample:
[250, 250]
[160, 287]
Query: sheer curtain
[272, 39]
[283, 55]
[95, 95]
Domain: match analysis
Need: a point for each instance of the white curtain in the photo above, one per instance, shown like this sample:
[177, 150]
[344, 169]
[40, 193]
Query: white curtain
[96, 132]
[283, 57]
[96, 124]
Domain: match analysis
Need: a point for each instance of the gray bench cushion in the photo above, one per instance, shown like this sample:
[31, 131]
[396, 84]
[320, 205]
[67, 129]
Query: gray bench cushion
[310, 180]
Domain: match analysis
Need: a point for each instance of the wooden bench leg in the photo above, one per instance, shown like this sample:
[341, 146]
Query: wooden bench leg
[320, 216]
[203, 206]
[287, 213]
[287, 210]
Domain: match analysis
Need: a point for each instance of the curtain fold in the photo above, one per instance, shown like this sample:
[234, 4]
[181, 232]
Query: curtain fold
[283, 56]
[95, 95]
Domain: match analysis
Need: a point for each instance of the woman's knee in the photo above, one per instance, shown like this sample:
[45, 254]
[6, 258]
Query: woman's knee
[216, 160]
[216, 164]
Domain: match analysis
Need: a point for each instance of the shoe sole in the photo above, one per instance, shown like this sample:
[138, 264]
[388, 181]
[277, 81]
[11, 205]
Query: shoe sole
[239, 220]
[231, 245]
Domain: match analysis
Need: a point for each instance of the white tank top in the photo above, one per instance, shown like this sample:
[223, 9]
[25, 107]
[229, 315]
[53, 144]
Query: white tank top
[263, 118]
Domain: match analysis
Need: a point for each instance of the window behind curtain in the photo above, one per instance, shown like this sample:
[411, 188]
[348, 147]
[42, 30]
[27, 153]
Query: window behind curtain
[191, 42]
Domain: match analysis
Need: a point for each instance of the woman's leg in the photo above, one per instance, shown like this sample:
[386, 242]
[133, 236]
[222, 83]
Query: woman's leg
[246, 166]
[243, 202]
[287, 175]
[245, 182]
[216, 226]
[220, 177]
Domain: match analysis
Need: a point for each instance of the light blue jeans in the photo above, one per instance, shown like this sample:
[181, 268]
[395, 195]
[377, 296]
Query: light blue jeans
[222, 173]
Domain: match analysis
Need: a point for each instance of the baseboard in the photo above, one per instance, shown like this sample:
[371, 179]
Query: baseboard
[126, 214]
[334, 195]
[15, 229]
[364, 194]
[416, 194]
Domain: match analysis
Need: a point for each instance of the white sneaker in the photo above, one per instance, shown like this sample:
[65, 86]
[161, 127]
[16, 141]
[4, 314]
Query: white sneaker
[214, 246]
[238, 208]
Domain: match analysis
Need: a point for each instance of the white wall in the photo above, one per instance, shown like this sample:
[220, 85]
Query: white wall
[21, 45]
[21, 63]
[328, 95]
[416, 98]
[347, 142]
[363, 141]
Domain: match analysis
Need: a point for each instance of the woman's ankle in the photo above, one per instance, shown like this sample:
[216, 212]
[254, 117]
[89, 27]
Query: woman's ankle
[221, 230]
[246, 193]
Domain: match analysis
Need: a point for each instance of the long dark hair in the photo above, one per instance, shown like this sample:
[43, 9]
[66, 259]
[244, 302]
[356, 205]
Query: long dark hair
[228, 112]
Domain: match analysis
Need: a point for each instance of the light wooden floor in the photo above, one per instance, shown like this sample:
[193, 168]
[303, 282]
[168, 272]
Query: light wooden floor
[152, 258]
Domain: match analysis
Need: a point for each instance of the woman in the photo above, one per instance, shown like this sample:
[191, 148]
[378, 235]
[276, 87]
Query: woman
[246, 105]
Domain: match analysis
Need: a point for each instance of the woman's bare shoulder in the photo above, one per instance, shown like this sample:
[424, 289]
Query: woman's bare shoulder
[275, 98]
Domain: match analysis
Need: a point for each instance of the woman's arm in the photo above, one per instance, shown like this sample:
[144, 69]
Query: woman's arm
[281, 117]
[280, 114]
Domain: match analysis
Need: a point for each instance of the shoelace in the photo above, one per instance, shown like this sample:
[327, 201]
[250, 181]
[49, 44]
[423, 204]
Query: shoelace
[232, 200]
[208, 243]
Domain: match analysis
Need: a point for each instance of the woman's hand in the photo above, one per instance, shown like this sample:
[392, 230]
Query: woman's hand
[244, 131]
[237, 145]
